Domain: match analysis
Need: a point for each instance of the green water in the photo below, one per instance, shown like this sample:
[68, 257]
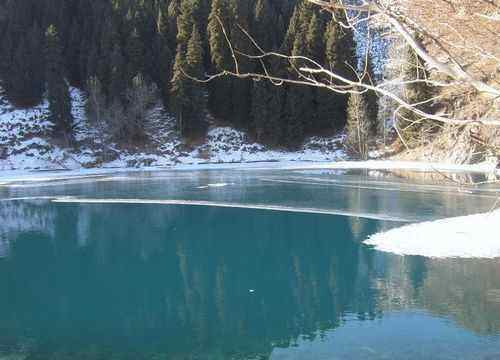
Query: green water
[154, 281]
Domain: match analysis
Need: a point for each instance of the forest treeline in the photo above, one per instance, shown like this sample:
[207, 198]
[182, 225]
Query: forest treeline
[128, 53]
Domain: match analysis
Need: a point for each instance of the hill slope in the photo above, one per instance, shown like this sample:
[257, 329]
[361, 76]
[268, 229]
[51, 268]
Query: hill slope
[25, 143]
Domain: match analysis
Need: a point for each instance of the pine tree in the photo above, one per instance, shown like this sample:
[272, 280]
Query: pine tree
[18, 88]
[194, 54]
[299, 109]
[411, 125]
[187, 96]
[163, 68]
[174, 9]
[220, 89]
[179, 89]
[314, 39]
[241, 89]
[118, 82]
[340, 58]
[23, 75]
[323, 102]
[104, 57]
[266, 113]
[58, 91]
[37, 64]
[266, 25]
[73, 54]
[189, 13]
[135, 54]
[371, 97]
[291, 33]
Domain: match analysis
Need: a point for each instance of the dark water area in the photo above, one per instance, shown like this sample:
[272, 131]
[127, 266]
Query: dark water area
[153, 281]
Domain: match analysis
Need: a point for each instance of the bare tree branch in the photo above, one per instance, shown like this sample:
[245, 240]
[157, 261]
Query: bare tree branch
[397, 21]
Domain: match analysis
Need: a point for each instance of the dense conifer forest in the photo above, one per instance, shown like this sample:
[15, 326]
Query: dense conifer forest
[124, 53]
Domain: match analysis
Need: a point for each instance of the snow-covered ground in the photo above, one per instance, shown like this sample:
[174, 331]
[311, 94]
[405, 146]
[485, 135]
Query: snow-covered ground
[473, 236]
[25, 143]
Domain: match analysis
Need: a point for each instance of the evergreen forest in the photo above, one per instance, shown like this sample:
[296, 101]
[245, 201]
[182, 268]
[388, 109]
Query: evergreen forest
[126, 52]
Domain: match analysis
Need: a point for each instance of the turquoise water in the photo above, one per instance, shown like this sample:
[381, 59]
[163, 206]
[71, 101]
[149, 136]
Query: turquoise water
[93, 280]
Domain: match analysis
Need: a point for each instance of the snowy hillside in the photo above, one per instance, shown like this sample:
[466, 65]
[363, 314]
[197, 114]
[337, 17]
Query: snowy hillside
[25, 143]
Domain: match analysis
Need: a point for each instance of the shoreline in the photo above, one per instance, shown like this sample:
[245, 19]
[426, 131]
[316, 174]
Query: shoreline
[41, 175]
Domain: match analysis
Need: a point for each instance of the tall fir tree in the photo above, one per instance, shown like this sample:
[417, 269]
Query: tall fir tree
[412, 126]
[314, 38]
[340, 57]
[57, 86]
[219, 89]
[135, 54]
[241, 90]
[266, 113]
[299, 110]
[371, 96]
[119, 75]
[266, 24]
[187, 96]
[35, 41]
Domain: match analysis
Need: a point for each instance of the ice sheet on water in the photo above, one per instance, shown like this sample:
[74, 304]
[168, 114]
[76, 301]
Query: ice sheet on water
[296, 209]
[473, 236]
[279, 187]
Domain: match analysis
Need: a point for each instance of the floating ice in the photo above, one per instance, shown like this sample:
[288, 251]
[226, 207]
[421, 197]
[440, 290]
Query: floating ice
[473, 236]
[308, 210]
[216, 185]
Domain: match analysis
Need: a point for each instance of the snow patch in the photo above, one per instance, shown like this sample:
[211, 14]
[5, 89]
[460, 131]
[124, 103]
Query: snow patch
[473, 236]
[227, 145]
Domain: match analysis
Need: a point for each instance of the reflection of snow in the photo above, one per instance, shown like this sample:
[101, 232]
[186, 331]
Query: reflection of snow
[24, 216]
[473, 236]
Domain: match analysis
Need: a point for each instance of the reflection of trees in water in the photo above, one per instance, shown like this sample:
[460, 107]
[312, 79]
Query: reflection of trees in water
[23, 216]
[466, 290]
[177, 280]
[144, 280]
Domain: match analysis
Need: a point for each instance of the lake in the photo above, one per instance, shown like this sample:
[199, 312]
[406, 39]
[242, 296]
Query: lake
[235, 264]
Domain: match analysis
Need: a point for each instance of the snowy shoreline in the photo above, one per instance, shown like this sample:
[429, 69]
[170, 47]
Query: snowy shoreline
[10, 176]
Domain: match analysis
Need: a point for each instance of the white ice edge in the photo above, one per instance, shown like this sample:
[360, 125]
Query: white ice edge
[216, 185]
[383, 186]
[12, 176]
[472, 236]
[282, 208]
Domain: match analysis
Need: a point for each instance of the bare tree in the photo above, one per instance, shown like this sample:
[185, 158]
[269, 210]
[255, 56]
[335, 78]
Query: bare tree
[358, 126]
[123, 120]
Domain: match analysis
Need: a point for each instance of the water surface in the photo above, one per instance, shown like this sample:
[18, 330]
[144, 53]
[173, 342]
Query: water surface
[155, 281]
